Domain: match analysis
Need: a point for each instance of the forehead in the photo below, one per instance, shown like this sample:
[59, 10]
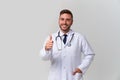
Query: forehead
[65, 15]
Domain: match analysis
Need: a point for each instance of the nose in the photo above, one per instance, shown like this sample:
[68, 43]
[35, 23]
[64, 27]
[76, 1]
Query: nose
[64, 22]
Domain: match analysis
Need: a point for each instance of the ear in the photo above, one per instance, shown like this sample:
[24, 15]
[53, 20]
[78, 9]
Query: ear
[72, 22]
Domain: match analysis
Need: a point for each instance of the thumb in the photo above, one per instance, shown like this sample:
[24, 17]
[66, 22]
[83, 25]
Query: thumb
[50, 37]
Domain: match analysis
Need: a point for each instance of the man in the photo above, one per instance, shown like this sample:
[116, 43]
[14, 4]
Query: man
[64, 49]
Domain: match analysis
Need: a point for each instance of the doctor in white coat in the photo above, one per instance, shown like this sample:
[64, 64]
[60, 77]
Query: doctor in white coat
[64, 49]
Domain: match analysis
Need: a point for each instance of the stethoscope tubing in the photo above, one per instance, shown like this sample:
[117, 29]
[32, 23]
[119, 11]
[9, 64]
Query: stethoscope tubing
[68, 44]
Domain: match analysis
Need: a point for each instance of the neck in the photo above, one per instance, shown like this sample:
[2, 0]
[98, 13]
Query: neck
[66, 31]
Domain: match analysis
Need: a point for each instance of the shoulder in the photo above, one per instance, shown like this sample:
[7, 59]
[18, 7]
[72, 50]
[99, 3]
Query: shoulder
[80, 37]
[78, 34]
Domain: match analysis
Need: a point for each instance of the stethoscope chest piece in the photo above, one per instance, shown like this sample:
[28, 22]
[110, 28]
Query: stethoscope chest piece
[69, 44]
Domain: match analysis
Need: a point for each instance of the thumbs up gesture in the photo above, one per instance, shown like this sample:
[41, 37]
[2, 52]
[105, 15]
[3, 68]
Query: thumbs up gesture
[49, 43]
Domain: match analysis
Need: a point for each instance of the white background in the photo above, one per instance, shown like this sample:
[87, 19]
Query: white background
[24, 25]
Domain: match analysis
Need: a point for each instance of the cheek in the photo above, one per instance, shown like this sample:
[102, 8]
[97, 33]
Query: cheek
[70, 23]
[60, 22]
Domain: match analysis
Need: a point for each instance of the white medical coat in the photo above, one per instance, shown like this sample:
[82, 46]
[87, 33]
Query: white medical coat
[64, 62]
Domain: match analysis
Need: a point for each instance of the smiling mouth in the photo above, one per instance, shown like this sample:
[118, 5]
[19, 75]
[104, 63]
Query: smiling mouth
[64, 25]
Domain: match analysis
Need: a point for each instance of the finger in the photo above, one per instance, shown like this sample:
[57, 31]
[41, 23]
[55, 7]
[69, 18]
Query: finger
[74, 72]
[50, 46]
[51, 41]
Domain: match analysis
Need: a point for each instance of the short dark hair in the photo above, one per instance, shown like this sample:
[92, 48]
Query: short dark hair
[66, 11]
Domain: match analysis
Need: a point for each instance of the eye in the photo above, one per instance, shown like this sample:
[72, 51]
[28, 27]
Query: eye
[68, 19]
[61, 19]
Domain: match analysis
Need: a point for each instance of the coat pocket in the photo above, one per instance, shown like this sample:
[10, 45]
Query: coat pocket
[78, 76]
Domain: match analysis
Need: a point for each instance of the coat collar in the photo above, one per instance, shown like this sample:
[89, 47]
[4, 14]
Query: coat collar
[68, 33]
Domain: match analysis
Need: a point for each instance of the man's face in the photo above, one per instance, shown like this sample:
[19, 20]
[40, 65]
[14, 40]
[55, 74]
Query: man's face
[65, 22]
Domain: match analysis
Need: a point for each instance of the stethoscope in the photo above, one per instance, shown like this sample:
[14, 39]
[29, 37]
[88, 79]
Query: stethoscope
[59, 46]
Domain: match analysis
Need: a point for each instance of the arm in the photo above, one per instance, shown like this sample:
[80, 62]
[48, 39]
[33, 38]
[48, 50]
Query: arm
[88, 55]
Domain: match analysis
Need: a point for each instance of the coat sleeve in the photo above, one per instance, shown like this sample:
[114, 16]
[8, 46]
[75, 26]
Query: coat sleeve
[88, 55]
[45, 55]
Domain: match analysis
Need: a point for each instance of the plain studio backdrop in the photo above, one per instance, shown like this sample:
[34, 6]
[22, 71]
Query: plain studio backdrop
[24, 25]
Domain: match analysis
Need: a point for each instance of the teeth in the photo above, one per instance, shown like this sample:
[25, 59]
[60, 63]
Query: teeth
[64, 25]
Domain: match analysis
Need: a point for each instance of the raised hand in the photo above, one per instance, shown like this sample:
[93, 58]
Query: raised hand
[49, 43]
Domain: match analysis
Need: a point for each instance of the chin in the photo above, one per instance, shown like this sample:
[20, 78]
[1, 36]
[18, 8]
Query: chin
[65, 30]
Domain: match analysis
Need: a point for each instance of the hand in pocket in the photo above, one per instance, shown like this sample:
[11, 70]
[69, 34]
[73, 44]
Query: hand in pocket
[77, 73]
[77, 76]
